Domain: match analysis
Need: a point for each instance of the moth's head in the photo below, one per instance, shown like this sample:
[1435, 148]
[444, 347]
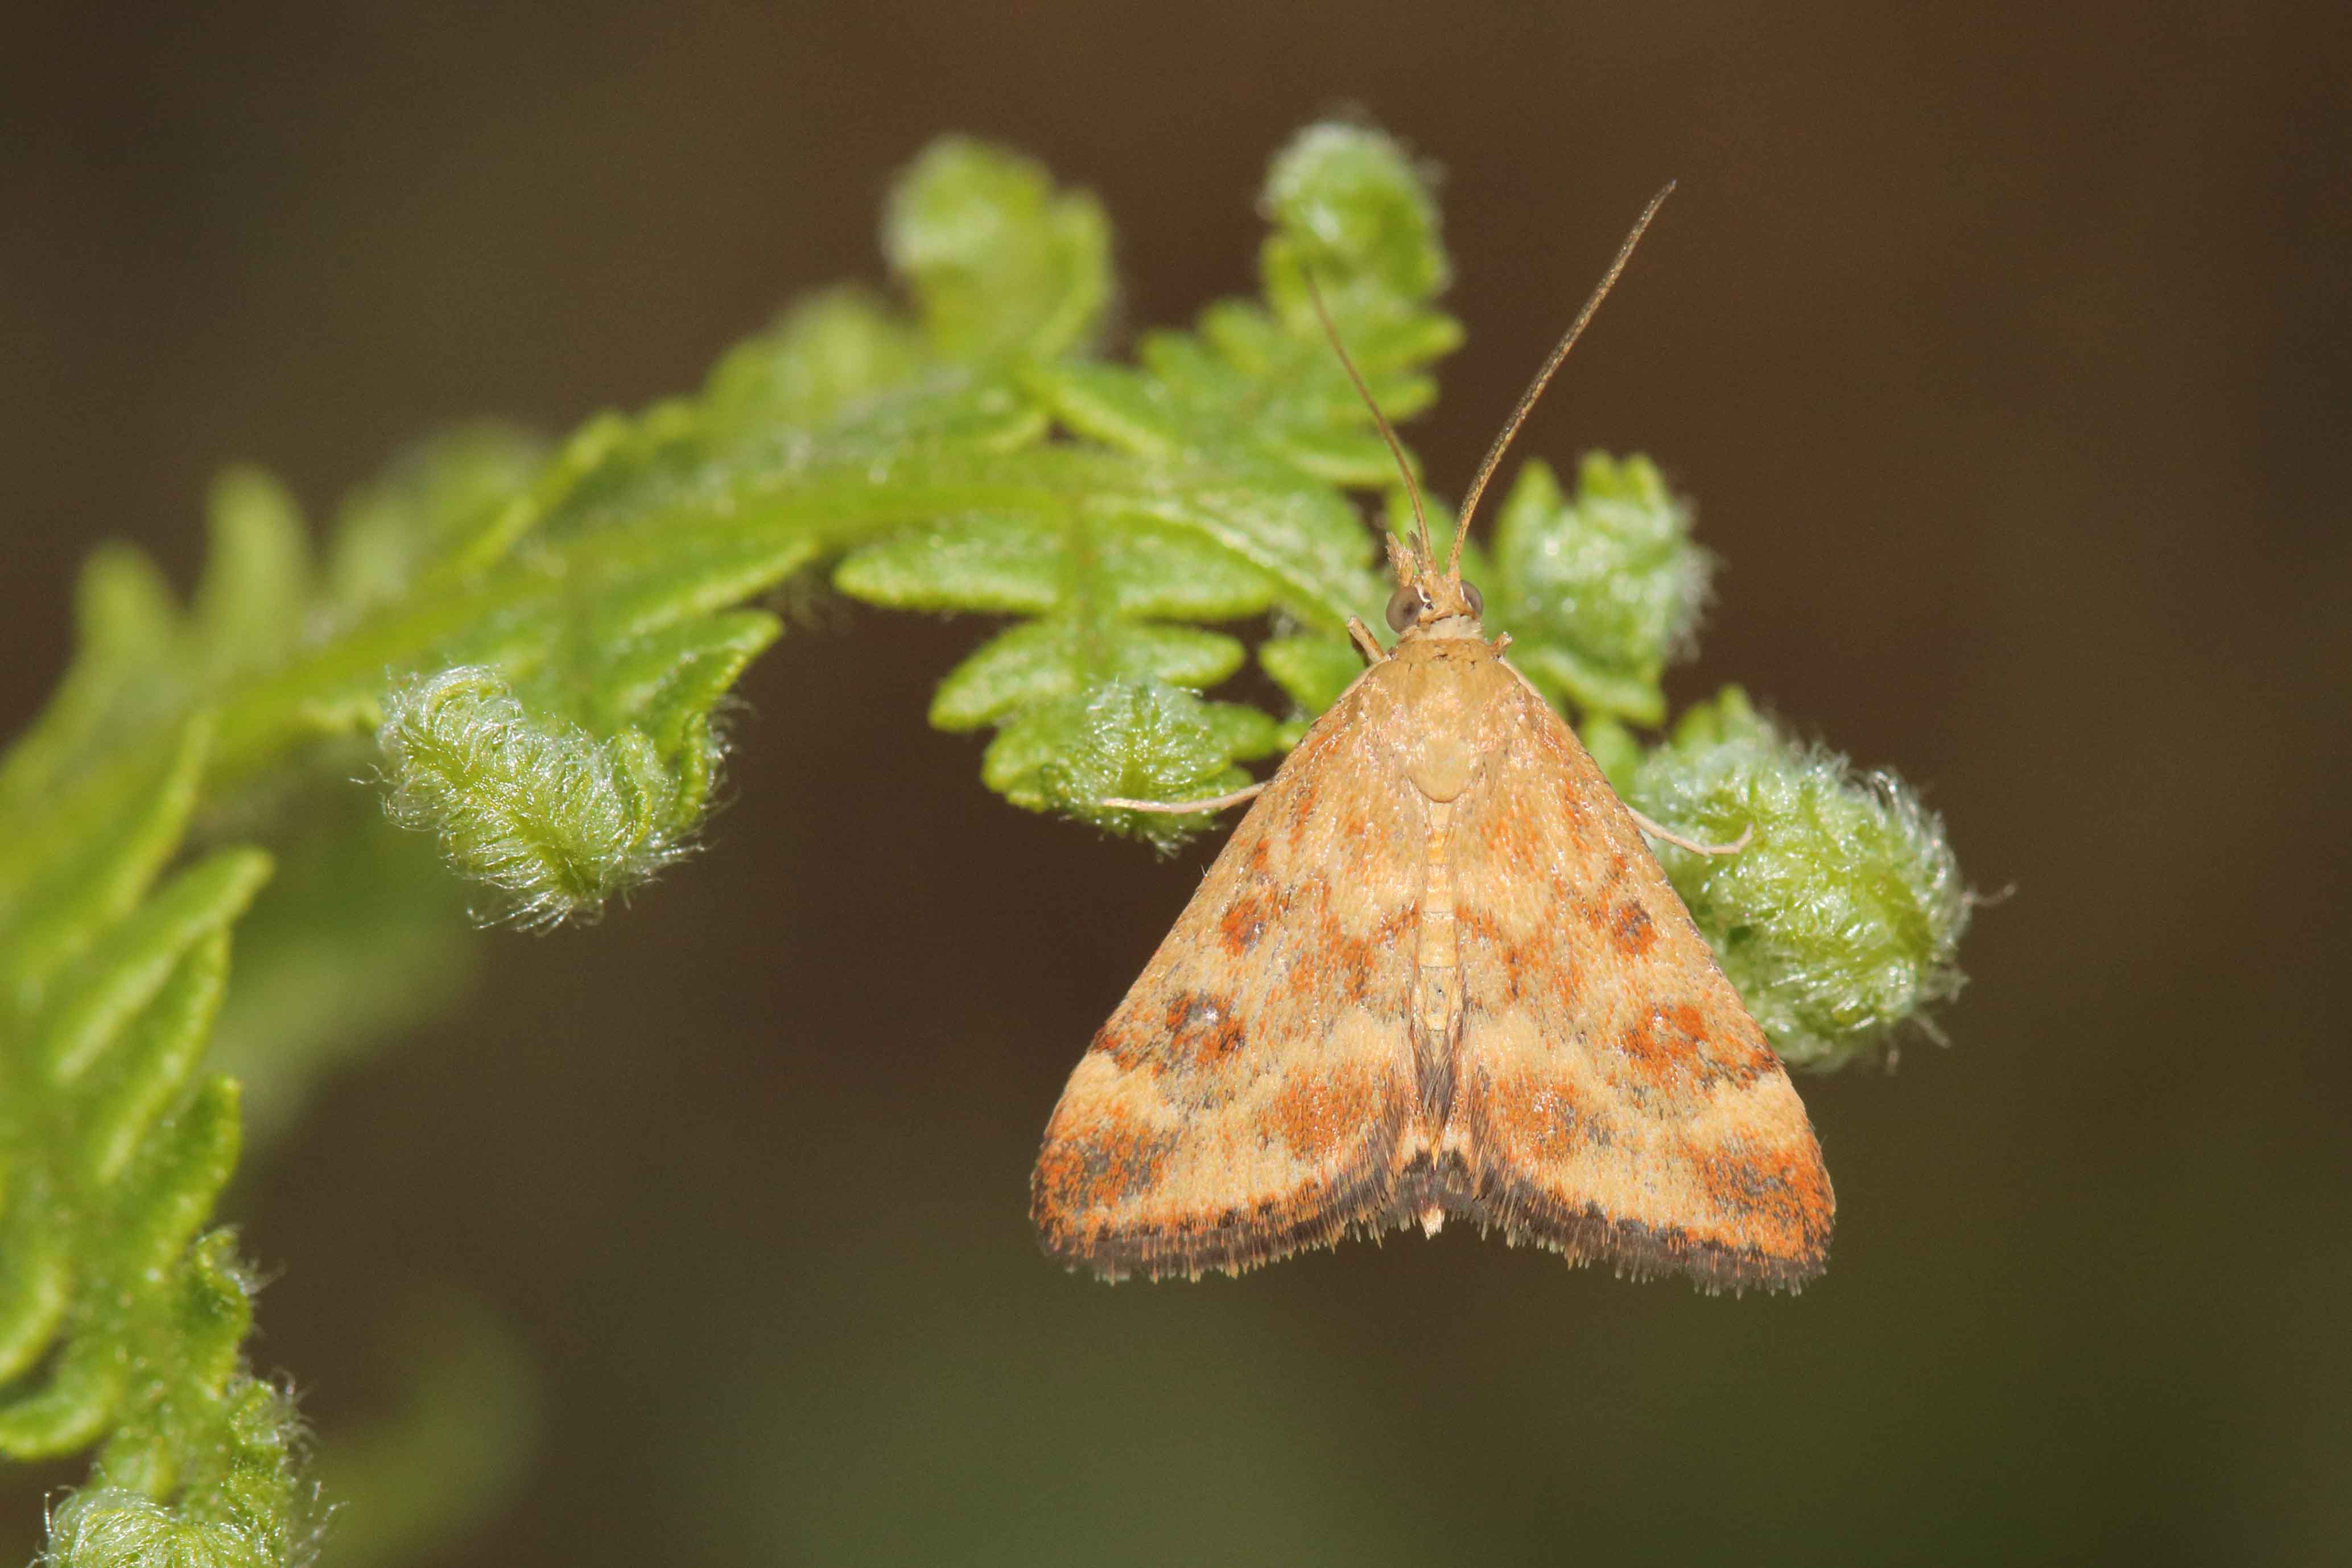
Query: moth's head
[1430, 602]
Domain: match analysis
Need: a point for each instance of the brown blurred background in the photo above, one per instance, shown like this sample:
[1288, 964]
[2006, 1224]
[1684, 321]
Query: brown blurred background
[2007, 351]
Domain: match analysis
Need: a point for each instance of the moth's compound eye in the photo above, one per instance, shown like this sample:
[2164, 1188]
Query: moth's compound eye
[1405, 606]
[1477, 600]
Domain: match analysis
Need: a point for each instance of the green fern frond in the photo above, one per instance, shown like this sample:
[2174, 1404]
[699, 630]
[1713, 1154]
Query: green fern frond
[1003, 264]
[120, 1323]
[1841, 920]
[391, 529]
[551, 815]
[1126, 740]
[120, 1317]
[1206, 483]
[1600, 590]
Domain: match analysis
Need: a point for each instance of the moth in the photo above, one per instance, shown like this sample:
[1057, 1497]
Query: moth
[1436, 973]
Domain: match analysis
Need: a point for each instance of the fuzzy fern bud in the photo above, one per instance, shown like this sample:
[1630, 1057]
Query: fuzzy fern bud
[117, 1527]
[1001, 262]
[553, 818]
[1842, 919]
[1600, 589]
[1345, 201]
[1128, 740]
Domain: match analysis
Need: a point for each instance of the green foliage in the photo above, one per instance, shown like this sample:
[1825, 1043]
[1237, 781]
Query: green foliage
[393, 529]
[443, 590]
[553, 816]
[120, 1316]
[1128, 740]
[1207, 482]
[1597, 592]
[1842, 919]
[533, 643]
[1001, 262]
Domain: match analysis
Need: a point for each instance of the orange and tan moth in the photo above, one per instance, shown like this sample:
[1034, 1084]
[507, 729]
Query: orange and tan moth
[1436, 973]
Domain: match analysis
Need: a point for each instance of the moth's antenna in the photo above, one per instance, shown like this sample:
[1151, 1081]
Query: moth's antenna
[1543, 376]
[1412, 488]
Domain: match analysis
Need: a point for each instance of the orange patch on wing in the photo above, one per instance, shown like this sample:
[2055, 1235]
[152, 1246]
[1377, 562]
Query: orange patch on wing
[1542, 1116]
[1302, 980]
[1302, 817]
[1317, 1115]
[1563, 984]
[1243, 924]
[1348, 963]
[1121, 1047]
[1746, 1059]
[1099, 1165]
[1779, 1201]
[1509, 836]
[1634, 931]
[1662, 1045]
[1712, 1052]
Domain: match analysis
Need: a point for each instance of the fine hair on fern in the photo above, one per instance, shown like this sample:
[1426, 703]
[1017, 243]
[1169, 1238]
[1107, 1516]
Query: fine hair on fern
[550, 816]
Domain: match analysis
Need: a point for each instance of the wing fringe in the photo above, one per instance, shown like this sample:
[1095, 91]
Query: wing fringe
[1375, 1201]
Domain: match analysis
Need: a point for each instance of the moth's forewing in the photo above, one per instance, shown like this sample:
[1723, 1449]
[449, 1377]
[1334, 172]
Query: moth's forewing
[1247, 1097]
[1613, 1098]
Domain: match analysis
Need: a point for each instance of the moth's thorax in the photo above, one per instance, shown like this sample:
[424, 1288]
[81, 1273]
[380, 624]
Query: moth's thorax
[1431, 699]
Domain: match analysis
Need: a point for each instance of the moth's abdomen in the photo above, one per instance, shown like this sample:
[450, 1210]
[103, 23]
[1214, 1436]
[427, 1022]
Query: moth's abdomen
[1437, 999]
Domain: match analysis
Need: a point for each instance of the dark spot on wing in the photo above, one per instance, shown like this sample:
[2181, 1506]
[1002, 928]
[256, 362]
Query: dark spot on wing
[1243, 924]
[1202, 1029]
[1633, 932]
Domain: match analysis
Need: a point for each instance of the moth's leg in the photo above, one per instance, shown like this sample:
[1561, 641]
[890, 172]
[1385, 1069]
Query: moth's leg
[1692, 845]
[1365, 640]
[1176, 806]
